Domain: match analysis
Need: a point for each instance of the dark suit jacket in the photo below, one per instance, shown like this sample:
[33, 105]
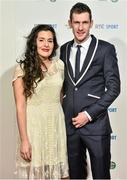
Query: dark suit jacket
[97, 87]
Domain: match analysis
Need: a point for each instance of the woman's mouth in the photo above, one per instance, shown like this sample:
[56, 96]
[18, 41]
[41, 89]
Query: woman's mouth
[45, 50]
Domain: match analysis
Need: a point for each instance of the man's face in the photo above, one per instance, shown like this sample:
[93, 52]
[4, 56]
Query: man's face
[81, 25]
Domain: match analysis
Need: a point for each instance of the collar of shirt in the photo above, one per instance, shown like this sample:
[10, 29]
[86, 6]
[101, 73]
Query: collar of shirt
[85, 44]
[84, 49]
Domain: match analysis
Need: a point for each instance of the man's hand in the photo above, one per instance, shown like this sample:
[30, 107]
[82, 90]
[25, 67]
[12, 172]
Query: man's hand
[80, 120]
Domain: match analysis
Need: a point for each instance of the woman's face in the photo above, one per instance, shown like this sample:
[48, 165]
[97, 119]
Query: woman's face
[45, 44]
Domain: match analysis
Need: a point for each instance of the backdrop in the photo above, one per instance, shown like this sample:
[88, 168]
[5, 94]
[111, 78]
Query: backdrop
[17, 18]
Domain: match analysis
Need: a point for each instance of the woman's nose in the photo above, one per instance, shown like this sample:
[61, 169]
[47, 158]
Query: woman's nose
[46, 43]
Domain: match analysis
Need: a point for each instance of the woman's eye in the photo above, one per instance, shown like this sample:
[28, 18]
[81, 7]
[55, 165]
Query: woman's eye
[40, 40]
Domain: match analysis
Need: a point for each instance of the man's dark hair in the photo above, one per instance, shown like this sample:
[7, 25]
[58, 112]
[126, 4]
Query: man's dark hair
[80, 8]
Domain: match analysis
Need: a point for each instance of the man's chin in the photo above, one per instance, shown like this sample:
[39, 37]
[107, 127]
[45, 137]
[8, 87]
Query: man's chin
[80, 39]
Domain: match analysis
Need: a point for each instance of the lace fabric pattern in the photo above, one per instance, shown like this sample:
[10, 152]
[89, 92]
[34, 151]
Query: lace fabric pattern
[46, 128]
[53, 172]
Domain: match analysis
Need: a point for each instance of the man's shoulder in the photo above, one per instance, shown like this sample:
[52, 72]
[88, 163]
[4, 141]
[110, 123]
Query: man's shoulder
[66, 44]
[105, 43]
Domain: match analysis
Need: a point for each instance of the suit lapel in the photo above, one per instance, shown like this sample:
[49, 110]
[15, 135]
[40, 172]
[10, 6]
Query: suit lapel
[88, 55]
[68, 64]
[89, 58]
[87, 62]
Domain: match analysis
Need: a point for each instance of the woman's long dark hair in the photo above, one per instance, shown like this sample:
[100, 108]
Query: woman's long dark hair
[31, 63]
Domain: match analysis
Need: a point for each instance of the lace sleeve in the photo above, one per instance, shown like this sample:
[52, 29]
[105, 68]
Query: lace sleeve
[60, 65]
[17, 73]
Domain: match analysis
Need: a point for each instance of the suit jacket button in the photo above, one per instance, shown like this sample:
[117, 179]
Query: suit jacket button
[76, 89]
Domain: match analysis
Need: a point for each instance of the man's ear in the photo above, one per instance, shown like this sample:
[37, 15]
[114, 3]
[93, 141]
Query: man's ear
[69, 23]
[91, 24]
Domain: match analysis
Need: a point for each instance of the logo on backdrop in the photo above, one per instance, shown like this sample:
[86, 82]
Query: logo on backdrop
[114, 0]
[52, 0]
[113, 137]
[67, 26]
[112, 109]
[107, 26]
[112, 165]
[110, 0]
[99, 0]
[54, 26]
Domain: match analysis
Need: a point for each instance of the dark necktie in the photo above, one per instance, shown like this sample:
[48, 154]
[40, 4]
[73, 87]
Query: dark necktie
[77, 62]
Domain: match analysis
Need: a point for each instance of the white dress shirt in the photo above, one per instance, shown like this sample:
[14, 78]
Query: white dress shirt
[84, 49]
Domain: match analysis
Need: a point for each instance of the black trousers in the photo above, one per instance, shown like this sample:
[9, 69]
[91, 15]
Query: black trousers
[99, 152]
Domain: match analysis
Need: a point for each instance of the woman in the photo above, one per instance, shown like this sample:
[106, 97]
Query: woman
[37, 83]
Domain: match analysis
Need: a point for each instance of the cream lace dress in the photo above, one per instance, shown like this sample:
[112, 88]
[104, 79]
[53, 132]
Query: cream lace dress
[46, 128]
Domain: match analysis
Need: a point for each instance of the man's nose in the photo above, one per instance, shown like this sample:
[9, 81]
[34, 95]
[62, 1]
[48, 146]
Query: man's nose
[80, 26]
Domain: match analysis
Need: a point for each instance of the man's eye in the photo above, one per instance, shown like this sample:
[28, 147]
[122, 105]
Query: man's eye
[85, 22]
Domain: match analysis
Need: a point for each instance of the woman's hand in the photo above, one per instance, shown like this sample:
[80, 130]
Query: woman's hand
[26, 150]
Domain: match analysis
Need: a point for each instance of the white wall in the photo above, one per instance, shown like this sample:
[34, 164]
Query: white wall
[7, 115]
[17, 17]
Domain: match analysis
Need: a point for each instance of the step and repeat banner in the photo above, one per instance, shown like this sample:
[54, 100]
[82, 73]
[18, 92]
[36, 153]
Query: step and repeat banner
[17, 20]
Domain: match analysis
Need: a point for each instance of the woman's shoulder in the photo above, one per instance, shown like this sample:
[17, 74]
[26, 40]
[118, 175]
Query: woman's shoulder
[18, 72]
[19, 69]
[59, 63]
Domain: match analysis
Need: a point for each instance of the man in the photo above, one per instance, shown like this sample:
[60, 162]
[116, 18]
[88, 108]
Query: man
[91, 84]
